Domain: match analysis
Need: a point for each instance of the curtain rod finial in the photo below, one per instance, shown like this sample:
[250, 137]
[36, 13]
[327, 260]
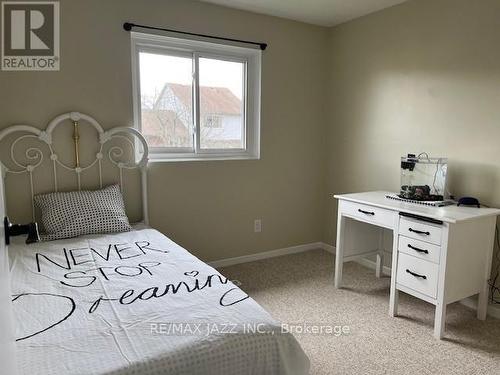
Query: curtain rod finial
[127, 26]
[263, 46]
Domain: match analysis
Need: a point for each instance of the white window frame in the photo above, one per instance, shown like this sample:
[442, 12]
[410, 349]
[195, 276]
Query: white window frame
[198, 49]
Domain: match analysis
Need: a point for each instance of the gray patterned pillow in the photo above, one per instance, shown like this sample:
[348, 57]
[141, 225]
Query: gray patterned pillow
[75, 213]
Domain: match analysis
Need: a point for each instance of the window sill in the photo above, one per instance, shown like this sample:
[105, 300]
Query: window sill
[169, 159]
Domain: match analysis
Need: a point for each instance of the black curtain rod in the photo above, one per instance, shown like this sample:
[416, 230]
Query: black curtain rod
[128, 27]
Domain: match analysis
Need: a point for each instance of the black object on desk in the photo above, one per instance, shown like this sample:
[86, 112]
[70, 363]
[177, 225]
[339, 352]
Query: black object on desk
[469, 201]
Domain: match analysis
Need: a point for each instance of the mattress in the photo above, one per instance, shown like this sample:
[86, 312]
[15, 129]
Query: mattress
[138, 303]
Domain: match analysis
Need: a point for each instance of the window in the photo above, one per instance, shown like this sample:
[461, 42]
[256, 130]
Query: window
[196, 100]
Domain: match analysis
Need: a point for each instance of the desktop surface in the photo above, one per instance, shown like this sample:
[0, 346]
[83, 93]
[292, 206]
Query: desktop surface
[448, 214]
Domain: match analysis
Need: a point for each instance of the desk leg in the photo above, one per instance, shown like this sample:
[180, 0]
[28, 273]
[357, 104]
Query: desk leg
[440, 320]
[394, 293]
[482, 303]
[380, 264]
[393, 303]
[394, 296]
[380, 256]
[339, 250]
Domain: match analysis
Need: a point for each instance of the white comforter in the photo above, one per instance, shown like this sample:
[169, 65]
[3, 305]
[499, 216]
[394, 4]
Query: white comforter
[137, 303]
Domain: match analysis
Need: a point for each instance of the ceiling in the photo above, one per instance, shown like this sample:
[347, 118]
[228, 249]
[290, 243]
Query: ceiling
[319, 12]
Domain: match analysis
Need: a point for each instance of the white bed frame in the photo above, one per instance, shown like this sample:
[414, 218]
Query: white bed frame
[7, 338]
[35, 156]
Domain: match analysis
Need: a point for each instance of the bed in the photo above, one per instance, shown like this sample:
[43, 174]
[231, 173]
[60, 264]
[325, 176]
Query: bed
[133, 302]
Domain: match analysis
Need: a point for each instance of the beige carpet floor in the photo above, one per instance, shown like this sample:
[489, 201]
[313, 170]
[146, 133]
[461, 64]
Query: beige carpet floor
[299, 288]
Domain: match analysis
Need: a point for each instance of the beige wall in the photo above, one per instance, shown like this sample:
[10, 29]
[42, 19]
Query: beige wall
[421, 76]
[208, 207]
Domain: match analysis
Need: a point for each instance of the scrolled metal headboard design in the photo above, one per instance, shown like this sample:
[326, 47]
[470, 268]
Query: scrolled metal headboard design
[35, 156]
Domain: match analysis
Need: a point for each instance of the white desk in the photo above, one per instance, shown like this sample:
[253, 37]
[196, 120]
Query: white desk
[439, 254]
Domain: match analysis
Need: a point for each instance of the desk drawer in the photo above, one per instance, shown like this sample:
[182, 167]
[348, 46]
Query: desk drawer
[369, 214]
[419, 249]
[417, 274]
[420, 230]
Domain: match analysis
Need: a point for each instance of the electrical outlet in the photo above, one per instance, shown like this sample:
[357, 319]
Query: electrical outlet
[257, 225]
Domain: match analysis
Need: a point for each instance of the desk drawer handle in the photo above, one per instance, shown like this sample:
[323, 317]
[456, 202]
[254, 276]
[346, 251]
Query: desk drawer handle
[418, 250]
[419, 231]
[416, 274]
[366, 212]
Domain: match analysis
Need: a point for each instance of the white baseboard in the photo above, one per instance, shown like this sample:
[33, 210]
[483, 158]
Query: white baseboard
[266, 254]
[493, 310]
[328, 247]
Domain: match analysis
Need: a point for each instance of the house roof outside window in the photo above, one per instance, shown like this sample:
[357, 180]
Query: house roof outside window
[167, 119]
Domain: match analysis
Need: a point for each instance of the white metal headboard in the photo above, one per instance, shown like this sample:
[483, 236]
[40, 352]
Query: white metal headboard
[35, 155]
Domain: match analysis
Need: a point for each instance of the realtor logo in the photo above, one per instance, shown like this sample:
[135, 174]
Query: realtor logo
[30, 35]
